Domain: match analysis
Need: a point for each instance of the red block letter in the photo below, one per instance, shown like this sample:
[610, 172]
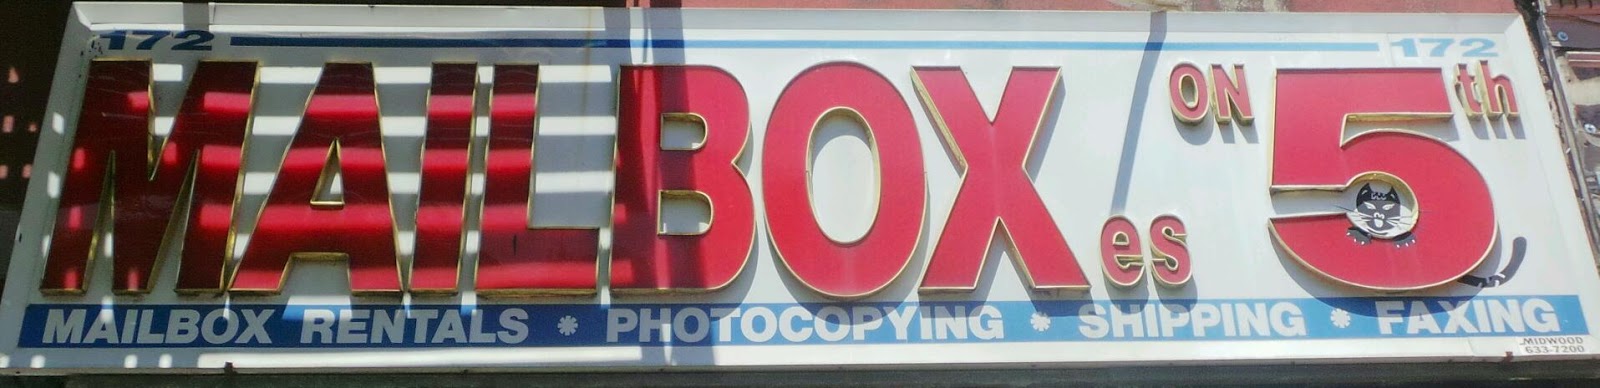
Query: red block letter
[1466, 90]
[1121, 256]
[835, 268]
[113, 137]
[1499, 96]
[1233, 97]
[1187, 80]
[515, 257]
[340, 129]
[642, 257]
[441, 204]
[1170, 264]
[995, 191]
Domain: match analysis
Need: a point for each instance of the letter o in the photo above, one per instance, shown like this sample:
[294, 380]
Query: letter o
[861, 267]
[828, 331]
[769, 328]
[680, 325]
[209, 326]
[1187, 80]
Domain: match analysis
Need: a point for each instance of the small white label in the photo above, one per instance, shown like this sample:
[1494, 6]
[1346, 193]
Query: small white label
[1537, 346]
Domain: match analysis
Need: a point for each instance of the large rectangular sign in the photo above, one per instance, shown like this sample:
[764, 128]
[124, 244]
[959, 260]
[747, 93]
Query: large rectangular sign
[329, 186]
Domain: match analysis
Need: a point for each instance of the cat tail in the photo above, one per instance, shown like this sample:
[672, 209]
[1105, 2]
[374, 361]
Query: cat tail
[1519, 248]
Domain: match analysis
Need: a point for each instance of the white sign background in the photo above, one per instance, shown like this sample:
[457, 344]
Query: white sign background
[1110, 147]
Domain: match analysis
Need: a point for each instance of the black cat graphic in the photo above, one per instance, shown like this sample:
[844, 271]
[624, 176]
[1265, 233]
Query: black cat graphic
[1380, 215]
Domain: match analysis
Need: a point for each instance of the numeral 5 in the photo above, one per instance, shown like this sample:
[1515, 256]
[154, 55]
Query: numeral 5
[1455, 224]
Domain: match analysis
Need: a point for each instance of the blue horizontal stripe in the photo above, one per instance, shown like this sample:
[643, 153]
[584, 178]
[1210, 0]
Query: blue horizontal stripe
[696, 324]
[257, 41]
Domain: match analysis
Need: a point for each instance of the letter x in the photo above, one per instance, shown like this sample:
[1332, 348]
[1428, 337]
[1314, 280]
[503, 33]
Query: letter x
[996, 191]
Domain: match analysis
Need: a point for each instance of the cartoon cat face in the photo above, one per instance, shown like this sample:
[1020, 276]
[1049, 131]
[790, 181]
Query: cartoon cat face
[1380, 213]
[1380, 210]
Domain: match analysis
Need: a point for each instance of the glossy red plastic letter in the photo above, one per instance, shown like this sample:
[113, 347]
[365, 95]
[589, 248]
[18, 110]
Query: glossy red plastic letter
[995, 191]
[340, 129]
[516, 258]
[441, 209]
[1170, 263]
[642, 257]
[113, 137]
[834, 268]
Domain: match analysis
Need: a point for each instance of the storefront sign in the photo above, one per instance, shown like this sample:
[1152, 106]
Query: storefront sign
[291, 186]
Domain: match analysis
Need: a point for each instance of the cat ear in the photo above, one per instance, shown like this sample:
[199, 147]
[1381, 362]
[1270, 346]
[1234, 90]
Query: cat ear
[1366, 188]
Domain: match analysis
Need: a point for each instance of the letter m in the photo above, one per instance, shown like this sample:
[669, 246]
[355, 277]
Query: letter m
[62, 328]
[118, 174]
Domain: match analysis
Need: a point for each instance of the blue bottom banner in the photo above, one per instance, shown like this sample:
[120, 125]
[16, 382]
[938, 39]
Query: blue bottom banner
[578, 325]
